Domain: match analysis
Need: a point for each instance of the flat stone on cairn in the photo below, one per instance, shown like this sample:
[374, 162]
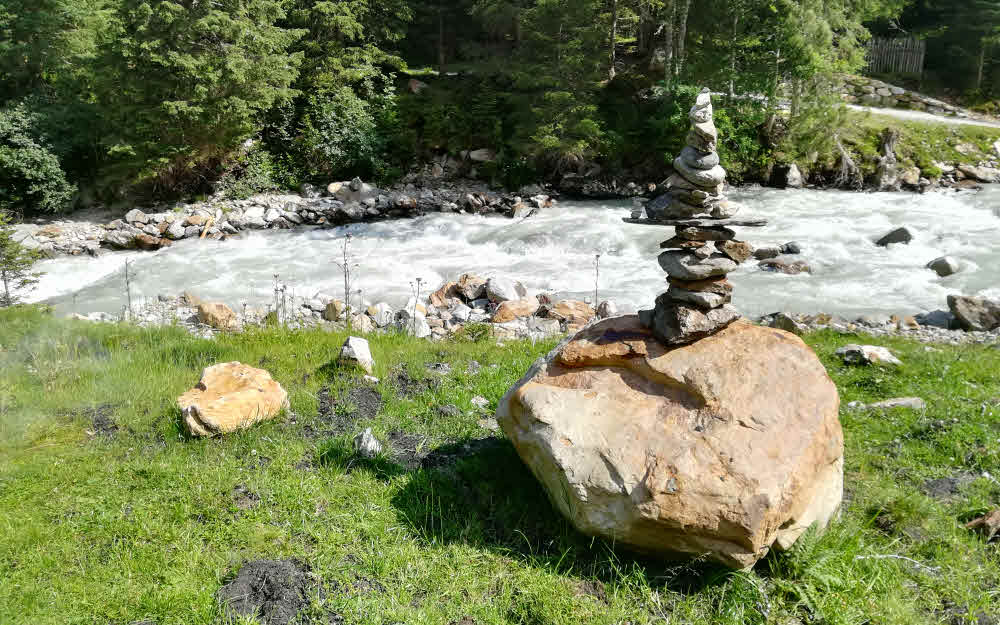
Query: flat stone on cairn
[704, 247]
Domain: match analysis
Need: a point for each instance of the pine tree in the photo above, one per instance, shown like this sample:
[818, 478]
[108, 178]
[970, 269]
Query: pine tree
[15, 264]
[187, 80]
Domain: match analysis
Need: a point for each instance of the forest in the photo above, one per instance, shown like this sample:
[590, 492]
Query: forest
[105, 101]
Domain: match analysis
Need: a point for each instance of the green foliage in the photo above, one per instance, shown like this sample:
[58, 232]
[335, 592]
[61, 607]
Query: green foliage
[340, 135]
[15, 264]
[31, 179]
[251, 173]
[186, 83]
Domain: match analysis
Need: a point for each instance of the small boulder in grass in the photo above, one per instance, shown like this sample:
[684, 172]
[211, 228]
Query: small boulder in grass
[356, 352]
[230, 397]
[868, 355]
[366, 445]
[913, 403]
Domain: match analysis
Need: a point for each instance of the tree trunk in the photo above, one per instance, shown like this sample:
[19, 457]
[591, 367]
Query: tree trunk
[614, 38]
[682, 24]
[732, 58]
[668, 39]
[982, 64]
[441, 38]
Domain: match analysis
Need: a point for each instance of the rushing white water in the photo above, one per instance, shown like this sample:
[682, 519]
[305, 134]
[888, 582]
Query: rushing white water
[554, 251]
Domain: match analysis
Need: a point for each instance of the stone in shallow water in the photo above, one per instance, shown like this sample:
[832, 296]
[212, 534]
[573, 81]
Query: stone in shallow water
[739, 251]
[687, 266]
[677, 450]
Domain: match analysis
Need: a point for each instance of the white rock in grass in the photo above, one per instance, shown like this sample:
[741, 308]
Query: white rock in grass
[867, 355]
[366, 445]
[356, 351]
[480, 402]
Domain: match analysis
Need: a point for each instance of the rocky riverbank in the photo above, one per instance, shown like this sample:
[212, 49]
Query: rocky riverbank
[500, 308]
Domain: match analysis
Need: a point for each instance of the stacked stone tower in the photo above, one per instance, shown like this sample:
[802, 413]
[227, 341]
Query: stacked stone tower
[704, 248]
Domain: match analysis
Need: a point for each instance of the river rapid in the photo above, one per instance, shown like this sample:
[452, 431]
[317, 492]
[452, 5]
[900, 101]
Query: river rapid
[555, 251]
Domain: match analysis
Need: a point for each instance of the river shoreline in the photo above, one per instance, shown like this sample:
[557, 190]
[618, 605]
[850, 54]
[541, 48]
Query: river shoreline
[96, 231]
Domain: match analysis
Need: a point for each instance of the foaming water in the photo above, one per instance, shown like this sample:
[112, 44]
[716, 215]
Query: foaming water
[555, 250]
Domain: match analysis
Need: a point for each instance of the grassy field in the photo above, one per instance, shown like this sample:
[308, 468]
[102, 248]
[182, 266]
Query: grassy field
[109, 514]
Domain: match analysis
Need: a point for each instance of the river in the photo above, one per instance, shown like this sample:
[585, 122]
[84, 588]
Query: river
[555, 251]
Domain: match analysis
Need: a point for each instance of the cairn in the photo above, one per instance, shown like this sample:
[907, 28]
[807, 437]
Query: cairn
[704, 248]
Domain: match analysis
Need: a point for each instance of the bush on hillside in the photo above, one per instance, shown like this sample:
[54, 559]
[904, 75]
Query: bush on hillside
[31, 179]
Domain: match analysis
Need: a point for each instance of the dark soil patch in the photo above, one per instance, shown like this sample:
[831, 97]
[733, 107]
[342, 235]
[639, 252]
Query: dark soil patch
[448, 455]
[439, 368]
[273, 591]
[366, 586]
[592, 588]
[408, 450]
[945, 488]
[959, 615]
[339, 416]
[244, 498]
[465, 621]
[101, 419]
[407, 386]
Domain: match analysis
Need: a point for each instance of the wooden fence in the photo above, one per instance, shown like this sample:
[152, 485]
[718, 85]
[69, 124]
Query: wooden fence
[896, 56]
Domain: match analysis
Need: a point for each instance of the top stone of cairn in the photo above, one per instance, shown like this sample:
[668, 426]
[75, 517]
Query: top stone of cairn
[703, 250]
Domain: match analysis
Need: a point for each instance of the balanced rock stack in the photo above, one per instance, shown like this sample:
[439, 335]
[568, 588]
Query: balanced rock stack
[704, 249]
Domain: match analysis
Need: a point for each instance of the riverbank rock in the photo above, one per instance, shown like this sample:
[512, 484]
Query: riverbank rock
[218, 316]
[680, 450]
[231, 397]
[975, 313]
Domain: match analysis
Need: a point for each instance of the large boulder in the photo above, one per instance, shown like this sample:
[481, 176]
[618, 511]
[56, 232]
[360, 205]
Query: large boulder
[726, 447]
[230, 397]
[976, 314]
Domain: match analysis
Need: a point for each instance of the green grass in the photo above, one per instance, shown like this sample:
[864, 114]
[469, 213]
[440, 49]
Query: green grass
[148, 524]
[921, 143]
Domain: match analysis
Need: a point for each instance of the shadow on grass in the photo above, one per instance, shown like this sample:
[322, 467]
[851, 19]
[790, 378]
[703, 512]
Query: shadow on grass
[479, 492]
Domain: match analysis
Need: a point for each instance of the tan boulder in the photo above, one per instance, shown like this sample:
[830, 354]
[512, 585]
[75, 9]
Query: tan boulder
[231, 397]
[218, 315]
[334, 310]
[511, 310]
[445, 296]
[573, 312]
[471, 287]
[727, 446]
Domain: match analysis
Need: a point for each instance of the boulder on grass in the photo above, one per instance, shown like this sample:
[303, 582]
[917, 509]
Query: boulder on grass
[356, 352]
[727, 446]
[231, 397]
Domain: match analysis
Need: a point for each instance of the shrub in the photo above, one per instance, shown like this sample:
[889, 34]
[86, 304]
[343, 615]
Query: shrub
[15, 264]
[339, 135]
[30, 176]
[253, 172]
